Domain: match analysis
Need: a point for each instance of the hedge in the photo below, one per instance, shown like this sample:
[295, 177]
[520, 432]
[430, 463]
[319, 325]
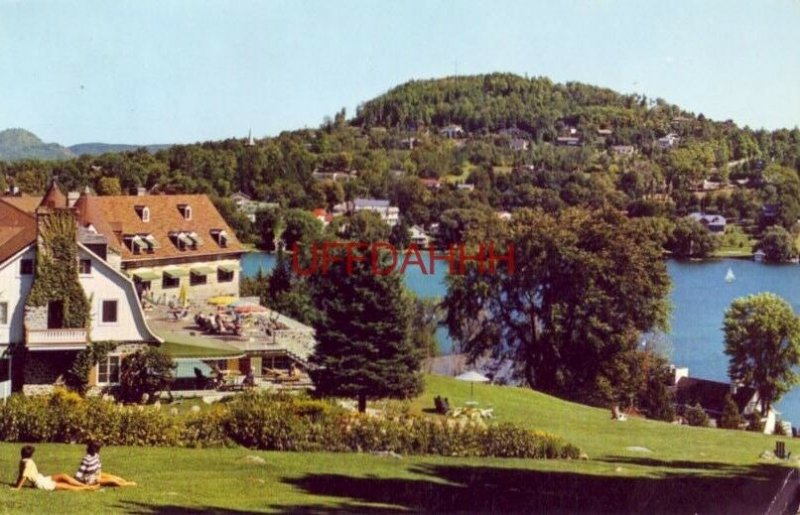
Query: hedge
[269, 422]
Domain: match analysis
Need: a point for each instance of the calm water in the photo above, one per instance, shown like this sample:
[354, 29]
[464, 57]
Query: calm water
[700, 297]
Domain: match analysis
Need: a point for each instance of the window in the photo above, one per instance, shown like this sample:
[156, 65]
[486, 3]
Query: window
[26, 267]
[3, 313]
[197, 279]
[143, 212]
[134, 243]
[224, 276]
[220, 236]
[170, 282]
[108, 371]
[109, 311]
[186, 211]
[85, 266]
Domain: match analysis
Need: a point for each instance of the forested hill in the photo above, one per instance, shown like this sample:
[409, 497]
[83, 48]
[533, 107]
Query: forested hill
[488, 103]
[18, 144]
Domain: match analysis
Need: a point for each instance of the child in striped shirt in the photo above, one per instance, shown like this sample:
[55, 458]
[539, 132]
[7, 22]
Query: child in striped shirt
[90, 471]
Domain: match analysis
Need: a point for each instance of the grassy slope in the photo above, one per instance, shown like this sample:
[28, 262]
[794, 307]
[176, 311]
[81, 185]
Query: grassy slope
[688, 470]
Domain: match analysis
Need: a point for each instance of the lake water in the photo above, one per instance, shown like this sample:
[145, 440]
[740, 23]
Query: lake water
[700, 297]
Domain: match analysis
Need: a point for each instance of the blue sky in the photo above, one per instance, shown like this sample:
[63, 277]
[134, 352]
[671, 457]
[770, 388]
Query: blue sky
[183, 71]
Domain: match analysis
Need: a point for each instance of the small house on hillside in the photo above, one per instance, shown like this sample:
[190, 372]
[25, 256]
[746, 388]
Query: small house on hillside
[452, 131]
[690, 391]
[668, 141]
[715, 223]
[568, 141]
[518, 144]
[622, 150]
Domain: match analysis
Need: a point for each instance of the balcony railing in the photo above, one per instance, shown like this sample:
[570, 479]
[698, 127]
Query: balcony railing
[54, 338]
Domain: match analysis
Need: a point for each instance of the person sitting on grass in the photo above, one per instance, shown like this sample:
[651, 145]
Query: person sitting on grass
[29, 472]
[90, 472]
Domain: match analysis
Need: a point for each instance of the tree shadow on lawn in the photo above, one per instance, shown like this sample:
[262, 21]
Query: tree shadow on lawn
[143, 508]
[509, 490]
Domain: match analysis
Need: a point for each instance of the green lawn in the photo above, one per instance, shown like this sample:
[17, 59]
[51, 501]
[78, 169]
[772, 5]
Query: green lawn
[687, 470]
[735, 243]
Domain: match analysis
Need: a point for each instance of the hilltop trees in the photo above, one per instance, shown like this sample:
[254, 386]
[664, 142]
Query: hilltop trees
[762, 340]
[586, 285]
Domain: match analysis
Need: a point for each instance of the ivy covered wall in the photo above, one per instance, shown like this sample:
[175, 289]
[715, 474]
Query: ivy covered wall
[56, 275]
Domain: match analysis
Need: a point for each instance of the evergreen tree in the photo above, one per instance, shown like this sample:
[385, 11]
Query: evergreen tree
[364, 345]
[731, 418]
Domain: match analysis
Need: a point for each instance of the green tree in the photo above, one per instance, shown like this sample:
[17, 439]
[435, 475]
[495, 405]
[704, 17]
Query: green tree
[730, 418]
[109, 186]
[364, 346]
[762, 341]
[301, 227]
[146, 371]
[778, 245]
[691, 239]
[567, 316]
[400, 236]
[363, 226]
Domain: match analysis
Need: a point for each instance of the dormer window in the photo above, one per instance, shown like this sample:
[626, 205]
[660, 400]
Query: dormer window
[183, 240]
[134, 243]
[220, 237]
[186, 211]
[143, 212]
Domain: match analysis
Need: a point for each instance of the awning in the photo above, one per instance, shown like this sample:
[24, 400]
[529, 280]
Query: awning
[229, 268]
[176, 272]
[202, 270]
[146, 276]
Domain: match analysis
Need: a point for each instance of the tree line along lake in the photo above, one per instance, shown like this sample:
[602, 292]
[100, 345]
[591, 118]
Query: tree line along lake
[700, 296]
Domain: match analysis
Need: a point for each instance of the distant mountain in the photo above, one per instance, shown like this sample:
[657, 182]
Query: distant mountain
[95, 149]
[16, 144]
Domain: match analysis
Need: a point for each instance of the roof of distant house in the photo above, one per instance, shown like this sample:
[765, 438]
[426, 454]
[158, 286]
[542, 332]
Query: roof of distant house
[370, 203]
[708, 219]
[710, 394]
[24, 202]
[119, 216]
[17, 230]
[54, 198]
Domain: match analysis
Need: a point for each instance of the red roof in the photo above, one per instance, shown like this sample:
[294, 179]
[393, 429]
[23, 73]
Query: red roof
[17, 230]
[121, 216]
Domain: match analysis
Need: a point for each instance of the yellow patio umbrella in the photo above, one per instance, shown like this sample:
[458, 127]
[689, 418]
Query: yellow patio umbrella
[183, 296]
[222, 300]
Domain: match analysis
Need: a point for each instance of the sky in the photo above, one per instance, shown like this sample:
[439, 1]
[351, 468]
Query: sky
[144, 72]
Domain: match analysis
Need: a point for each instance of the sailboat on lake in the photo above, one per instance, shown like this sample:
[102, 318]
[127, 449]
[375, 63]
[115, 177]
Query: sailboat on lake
[729, 277]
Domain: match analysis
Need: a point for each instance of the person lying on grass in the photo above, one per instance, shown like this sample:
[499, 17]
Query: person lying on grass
[90, 472]
[29, 472]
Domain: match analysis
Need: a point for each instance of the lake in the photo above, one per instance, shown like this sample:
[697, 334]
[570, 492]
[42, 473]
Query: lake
[700, 297]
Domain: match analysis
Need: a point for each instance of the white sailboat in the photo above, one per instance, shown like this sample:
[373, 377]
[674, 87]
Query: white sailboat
[729, 277]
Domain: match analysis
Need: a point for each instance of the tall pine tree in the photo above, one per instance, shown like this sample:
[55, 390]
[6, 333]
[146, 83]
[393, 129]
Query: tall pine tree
[364, 345]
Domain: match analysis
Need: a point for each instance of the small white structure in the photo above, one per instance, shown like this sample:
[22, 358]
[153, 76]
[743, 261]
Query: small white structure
[419, 237]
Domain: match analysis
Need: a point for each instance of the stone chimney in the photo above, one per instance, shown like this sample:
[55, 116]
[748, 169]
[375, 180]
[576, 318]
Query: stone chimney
[72, 197]
[679, 373]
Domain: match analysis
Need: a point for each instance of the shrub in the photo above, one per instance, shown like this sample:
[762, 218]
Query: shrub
[146, 371]
[206, 429]
[696, 416]
[509, 441]
[270, 422]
